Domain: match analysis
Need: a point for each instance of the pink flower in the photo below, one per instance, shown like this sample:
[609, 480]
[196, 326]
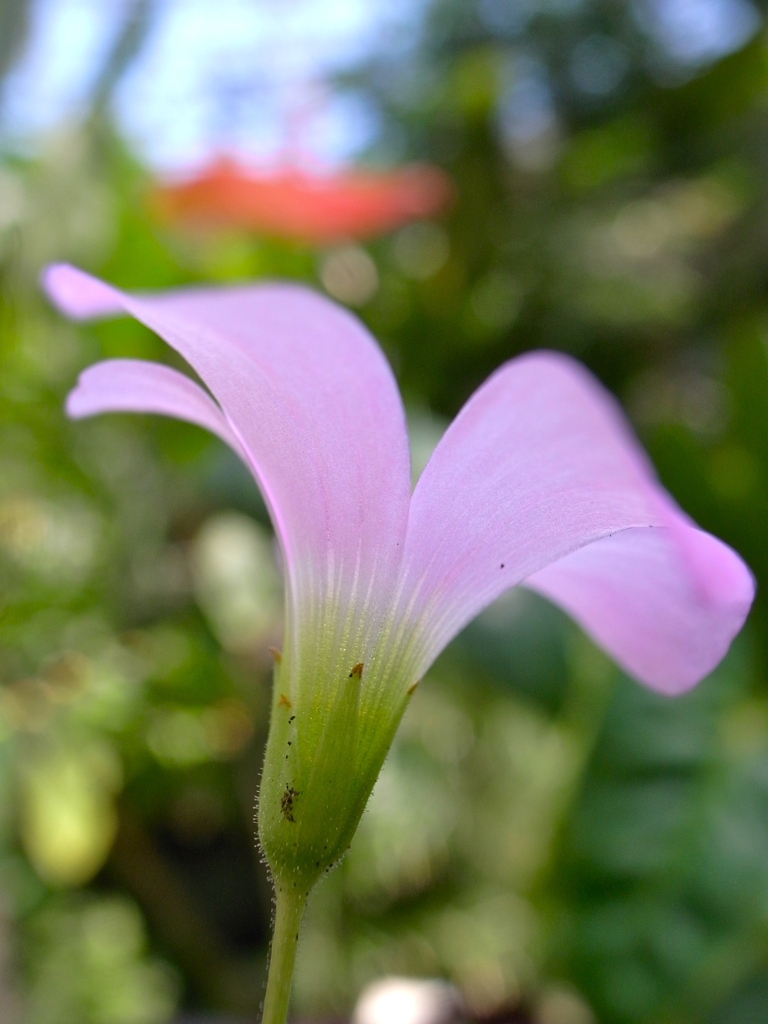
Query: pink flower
[538, 482]
[312, 208]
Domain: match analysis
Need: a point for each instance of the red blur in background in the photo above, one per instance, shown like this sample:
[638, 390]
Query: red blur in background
[316, 209]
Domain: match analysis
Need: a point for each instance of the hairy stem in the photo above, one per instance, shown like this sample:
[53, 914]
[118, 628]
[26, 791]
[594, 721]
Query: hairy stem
[289, 910]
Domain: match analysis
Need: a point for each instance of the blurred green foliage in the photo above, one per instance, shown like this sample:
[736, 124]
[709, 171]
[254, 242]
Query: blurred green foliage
[545, 833]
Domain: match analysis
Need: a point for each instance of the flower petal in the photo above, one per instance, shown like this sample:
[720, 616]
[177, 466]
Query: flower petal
[134, 385]
[310, 398]
[662, 628]
[530, 483]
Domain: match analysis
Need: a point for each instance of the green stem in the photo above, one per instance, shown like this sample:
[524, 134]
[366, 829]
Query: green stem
[289, 910]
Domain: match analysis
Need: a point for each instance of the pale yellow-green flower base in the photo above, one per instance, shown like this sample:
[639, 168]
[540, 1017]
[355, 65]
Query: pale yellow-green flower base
[328, 738]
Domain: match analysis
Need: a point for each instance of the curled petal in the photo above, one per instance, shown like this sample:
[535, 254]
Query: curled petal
[648, 608]
[312, 403]
[133, 385]
[540, 480]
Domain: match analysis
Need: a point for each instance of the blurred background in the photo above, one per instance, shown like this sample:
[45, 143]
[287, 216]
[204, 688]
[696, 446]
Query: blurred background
[557, 843]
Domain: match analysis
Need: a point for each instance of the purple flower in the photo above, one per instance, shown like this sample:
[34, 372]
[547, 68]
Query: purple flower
[538, 482]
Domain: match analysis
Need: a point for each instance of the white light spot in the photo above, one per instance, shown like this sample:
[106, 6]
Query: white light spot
[349, 275]
[407, 1001]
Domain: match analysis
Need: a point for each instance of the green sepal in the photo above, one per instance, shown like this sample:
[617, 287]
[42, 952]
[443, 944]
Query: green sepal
[320, 766]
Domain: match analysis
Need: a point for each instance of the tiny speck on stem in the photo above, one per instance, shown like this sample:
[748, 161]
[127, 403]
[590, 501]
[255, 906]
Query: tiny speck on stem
[286, 802]
[357, 671]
